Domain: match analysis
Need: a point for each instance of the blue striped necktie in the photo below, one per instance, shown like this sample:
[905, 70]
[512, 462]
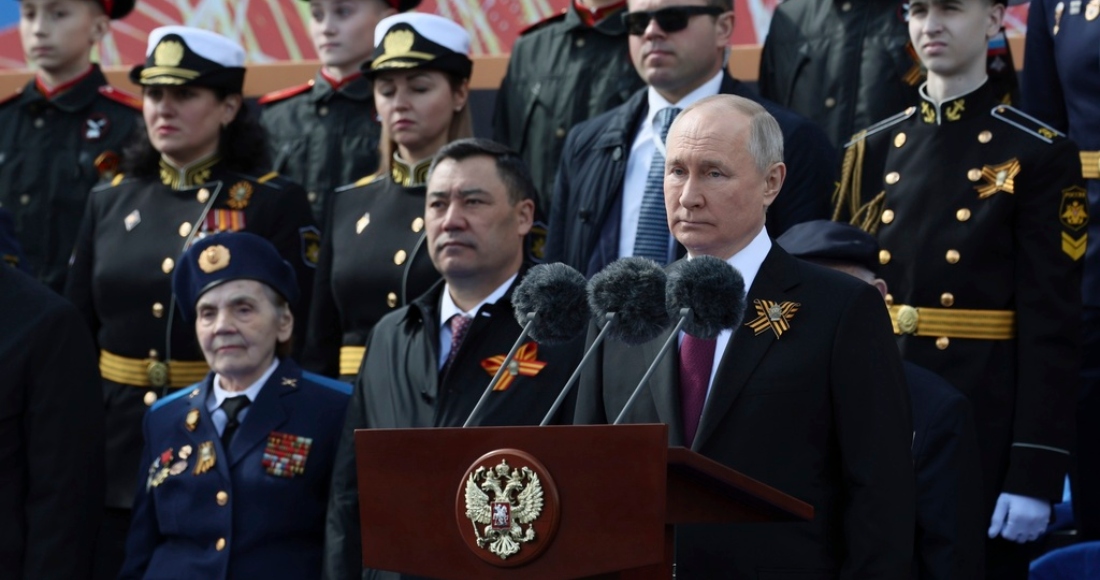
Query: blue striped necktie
[651, 241]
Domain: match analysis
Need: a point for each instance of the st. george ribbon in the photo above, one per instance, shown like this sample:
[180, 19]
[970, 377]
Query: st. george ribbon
[549, 304]
[707, 295]
[627, 301]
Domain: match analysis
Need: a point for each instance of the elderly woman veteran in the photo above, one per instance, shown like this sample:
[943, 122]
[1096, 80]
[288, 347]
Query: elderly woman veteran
[235, 472]
[195, 174]
[373, 257]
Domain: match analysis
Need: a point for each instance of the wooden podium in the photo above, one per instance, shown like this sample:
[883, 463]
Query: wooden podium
[611, 498]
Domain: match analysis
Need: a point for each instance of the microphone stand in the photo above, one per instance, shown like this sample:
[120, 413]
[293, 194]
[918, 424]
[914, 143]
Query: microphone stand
[532, 319]
[609, 320]
[685, 316]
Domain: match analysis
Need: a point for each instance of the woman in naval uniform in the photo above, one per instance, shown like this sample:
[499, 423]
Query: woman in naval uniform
[373, 258]
[196, 173]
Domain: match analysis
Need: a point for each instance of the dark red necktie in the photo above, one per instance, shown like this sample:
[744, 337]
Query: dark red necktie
[459, 325]
[696, 360]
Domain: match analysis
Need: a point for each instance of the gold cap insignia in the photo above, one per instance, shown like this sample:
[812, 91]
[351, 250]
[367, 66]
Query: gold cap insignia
[214, 258]
[168, 53]
[398, 42]
[773, 315]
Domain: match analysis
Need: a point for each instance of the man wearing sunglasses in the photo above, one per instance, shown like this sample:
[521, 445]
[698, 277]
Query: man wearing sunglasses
[608, 198]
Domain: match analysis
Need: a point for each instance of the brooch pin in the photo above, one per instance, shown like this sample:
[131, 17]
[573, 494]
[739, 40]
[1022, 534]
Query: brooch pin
[525, 363]
[1000, 177]
[192, 420]
[773, 315]
[207, 458]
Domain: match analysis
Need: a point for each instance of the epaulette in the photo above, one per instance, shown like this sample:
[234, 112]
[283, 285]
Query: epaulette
[360, 183]
[537, 25]
[881, 126]
[267, 177]
[175, 396]
[338, 386]
[1025, 123]
[284, 94]
[120, 96]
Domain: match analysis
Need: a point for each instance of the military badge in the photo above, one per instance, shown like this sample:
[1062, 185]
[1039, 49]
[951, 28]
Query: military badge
[107, 165]
[132, 220]
[239, 195]
[1092, 10]
[207, 458]
[927, 113]
[1001, 177]
[1074, 214]
[536, 242]
[289, 382]
[311, 245]
[286, 454]
[214, 258]
[224, 220]
[525, 363]
[953, 111]
[362, 223]
[177, 468]
[158, 472]
[775, 316]
[96, 126]
[185, 452]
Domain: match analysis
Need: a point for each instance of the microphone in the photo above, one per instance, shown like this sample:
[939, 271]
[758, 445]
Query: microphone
[627, 299]
[549, 304]
[708, 296]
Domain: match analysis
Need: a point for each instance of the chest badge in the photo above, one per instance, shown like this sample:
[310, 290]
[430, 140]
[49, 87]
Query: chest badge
[286, 454]
[525, 363]
[1000, 177]
[207, 458]
[96, 126]
[132, 220]
[239, 195]
[362, 223]
[775, 316]
[191, 422]
[1092, 10]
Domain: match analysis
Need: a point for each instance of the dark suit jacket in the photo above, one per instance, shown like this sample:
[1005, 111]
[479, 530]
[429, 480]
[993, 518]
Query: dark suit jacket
[587, 203]
[820, 412]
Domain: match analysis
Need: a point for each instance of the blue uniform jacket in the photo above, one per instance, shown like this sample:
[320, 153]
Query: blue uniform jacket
[259, 515]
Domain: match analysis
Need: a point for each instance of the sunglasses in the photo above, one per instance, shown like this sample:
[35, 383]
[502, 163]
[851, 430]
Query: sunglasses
[671, 19]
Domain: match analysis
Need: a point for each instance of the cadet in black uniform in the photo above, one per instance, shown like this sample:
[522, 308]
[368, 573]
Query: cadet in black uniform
[64, 131]
[981, 215]
[194, 175]
[324, 133]
[373, 258]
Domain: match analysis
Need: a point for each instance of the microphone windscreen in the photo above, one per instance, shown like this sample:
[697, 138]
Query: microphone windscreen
[557, 293]
[634, 288]
[714, 290]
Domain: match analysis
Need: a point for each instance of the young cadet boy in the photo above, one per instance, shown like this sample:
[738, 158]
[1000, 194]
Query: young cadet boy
[324, 133]
[64, 131]
[981, 215]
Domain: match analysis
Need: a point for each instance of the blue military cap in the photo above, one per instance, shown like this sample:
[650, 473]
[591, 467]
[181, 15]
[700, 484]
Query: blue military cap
[831, 241]
[11, 253]
[230, 256]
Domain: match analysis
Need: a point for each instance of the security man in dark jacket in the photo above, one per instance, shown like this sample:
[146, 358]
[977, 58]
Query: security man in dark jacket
[450, 342]
[1061, 87]
[550, 85]
[324, 133]
[63, 132]
[981, 215]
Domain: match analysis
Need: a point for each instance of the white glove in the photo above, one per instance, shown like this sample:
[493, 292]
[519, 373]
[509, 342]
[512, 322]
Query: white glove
[1019, 518]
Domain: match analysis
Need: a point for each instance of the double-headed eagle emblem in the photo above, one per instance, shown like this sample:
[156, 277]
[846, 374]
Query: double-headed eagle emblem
[503, 499]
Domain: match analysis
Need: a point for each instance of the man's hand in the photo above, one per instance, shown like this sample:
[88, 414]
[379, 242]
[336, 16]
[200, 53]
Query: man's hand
[1019, 518]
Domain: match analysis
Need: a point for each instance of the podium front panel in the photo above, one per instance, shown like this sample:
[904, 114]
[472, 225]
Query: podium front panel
[610, 481]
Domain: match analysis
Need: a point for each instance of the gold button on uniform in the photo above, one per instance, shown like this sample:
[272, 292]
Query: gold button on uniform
[417, 225]
[974, 174]
[150, 398]
[167, 265]
[985, 137]
[560, 133]
[391, 300]
[185, 228]
[312, 196]
[846, 6]
[889, 299]
[158, 310]
[942, 342]
[893, 177]
[947, 299]
[952, 257]
[899, 139]
[580, 43]
[887, 216]
[24, 199]
[322, 111]
[203, 195]
[220, 544]
[962, 215]
[222, 498]
[884, 256]
[399, 257]
[830, 103]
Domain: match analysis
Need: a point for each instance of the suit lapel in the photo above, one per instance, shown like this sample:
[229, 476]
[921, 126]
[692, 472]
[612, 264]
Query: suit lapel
[745, 350]
[204, 431]
[267, 412]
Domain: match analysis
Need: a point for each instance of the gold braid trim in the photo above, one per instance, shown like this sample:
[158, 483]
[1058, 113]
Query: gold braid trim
[867, 217]
[846, 197]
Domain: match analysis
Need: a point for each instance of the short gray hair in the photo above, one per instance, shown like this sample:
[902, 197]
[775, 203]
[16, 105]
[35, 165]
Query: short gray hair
[765, 136]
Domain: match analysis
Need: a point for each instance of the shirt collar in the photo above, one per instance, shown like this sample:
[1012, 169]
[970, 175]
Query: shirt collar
[657, 102]
[751, 257]
[196, 173]
[408, 174]
[218, 394]
[974, 102]
[448, 308]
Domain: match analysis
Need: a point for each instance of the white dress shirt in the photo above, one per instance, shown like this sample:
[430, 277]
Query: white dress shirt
[448, 308]
[218, 394]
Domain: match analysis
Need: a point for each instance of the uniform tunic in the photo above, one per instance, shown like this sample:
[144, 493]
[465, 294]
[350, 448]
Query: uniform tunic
[978, 206]
[374, 259]
[258, 510]
[323, 136]
[121, 277]
[53, 149]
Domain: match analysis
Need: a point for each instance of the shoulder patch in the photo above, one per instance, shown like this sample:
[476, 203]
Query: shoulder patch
[174, 396]
[117, 180]
[1025, 123]
[881, 126]
[539, 24]
[121, 96]
[267, 177]
[284, 94]
[338, 386]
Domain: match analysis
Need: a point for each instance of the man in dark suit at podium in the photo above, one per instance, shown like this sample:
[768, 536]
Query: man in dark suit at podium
[807, 395]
